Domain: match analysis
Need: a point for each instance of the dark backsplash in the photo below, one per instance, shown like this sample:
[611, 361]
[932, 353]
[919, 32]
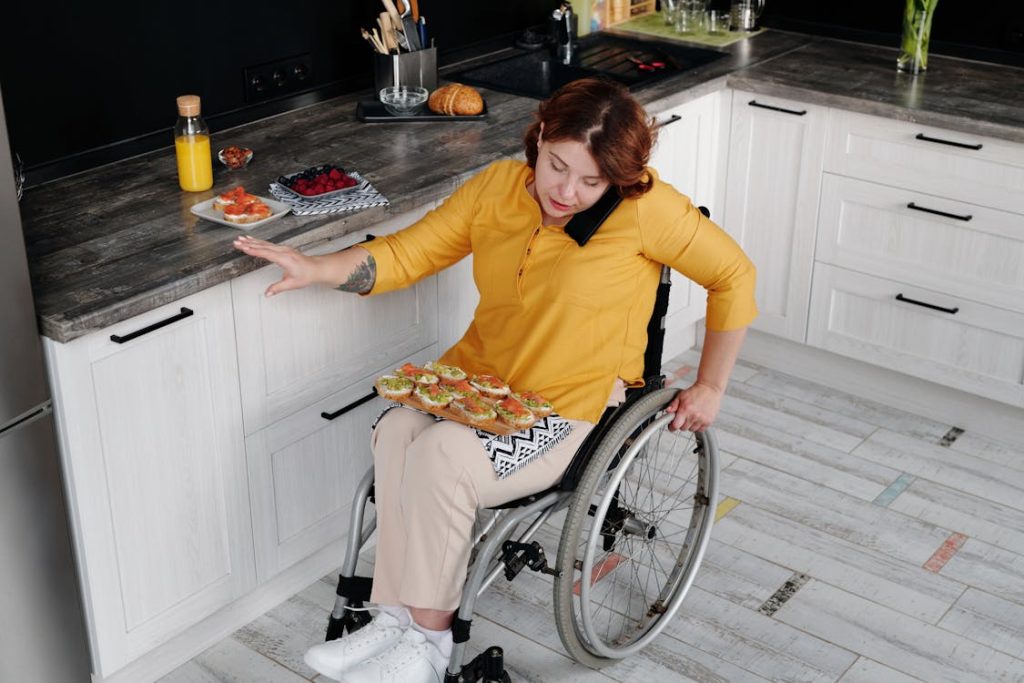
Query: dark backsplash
[986, 30]
[89, 83]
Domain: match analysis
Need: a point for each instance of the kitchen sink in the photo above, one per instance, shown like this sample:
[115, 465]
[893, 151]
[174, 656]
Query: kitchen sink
[536, 74]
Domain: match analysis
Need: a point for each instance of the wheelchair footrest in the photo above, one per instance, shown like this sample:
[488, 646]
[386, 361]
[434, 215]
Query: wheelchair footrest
[350, 622]
[486, 667]
[517, 556]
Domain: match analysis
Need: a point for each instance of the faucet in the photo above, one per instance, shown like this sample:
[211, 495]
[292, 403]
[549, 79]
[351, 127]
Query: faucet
[563, 25]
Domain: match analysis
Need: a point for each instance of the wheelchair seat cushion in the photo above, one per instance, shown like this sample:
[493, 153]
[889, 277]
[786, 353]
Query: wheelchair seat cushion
[511, 452]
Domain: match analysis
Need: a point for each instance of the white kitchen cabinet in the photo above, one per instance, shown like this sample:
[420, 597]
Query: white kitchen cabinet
[302, 346]
[773, 180]
[930, 334]
[689, 155]
[154, 461]
[303, 471]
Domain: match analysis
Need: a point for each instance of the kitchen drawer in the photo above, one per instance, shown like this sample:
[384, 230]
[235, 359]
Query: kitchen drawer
[870, 228]
[891, 152]
[302, 346]
[303, 472]
[979, 349]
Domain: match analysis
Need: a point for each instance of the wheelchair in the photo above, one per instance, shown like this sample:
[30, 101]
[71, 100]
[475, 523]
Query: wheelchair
[639, 503]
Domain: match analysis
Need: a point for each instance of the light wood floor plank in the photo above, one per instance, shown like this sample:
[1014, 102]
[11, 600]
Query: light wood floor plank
[989, 620]
[867, 671]
[852, 519]
[229, 661]
[847, 404]
[739, 576]
[760, 412]
[285, 633]
[764, 396]
[1007, 454]
[894, 639]
[795, 455]
[951, 509]
[989, 568]
[878, 577]
[954, 469]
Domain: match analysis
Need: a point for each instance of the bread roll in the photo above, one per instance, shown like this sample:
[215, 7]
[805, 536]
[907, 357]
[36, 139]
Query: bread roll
[456, 100]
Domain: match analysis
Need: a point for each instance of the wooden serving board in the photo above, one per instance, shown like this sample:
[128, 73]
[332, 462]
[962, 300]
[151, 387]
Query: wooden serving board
[495, 426]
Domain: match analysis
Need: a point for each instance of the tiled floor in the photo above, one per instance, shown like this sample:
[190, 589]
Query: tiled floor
[913, 554]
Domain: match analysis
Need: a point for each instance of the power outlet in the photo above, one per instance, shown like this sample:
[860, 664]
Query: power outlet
[273, 79]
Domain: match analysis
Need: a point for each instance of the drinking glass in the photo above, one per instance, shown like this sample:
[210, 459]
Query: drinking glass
[691, 15]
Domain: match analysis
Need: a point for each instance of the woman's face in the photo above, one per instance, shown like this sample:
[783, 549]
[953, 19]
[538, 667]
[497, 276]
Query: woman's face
[567, 179]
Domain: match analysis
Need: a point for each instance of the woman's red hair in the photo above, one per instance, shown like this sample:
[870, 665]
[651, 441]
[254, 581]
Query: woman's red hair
[603, 116]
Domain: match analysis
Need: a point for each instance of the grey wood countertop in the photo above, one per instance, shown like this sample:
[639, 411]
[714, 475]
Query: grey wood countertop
[120, 240]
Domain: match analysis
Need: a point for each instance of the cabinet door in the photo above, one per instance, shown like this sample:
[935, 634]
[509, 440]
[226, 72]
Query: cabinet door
[303, 471]
[302, 346]
[151, 439]
[921, 332]
[688, 156]
[774, 175]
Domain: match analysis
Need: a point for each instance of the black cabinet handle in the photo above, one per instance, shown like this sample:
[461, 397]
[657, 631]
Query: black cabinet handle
[351, 406]
[915, 207]
[755, 103]
[185, 312]
[670, 120]
[951, 311]
[922, 136]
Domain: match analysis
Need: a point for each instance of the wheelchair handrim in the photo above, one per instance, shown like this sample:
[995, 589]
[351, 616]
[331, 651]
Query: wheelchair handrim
[683, 574]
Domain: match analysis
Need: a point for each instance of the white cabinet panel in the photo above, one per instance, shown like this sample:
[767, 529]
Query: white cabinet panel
[303, 471]
[986, 171]
[151, 436]
[872, 229]
[774, 175]
[969, 346]
[301, 346]
[457, 298]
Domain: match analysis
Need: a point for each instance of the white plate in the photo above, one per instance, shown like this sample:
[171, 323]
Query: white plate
[206, 210]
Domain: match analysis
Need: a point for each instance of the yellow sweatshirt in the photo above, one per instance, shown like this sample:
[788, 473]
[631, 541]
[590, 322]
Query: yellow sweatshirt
[554, 317]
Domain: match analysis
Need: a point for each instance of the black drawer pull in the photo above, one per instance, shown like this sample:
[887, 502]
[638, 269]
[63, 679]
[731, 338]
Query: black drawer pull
[185, 312]
[915, 207]
[755, 103]
[670, 120]
[951, 311]
[351, 406]
[922, 136]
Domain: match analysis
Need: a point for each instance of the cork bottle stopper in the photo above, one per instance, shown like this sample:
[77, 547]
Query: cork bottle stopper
[188, 105]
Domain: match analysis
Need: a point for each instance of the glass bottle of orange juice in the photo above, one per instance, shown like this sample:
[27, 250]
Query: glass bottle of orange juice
[192, 146]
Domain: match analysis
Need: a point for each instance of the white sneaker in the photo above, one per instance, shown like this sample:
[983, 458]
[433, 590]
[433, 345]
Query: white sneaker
[413, 659]
[335, 657]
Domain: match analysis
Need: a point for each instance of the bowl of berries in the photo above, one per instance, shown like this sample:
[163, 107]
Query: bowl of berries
[321, 181]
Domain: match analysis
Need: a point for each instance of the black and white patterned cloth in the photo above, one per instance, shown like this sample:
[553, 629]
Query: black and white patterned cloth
[510, 452]
[362, 196]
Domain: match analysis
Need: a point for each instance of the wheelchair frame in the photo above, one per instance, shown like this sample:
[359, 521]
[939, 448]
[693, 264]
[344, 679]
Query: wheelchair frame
[498, 554]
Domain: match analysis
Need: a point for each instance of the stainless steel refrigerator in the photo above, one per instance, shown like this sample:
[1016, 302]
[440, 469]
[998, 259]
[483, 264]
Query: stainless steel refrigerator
[42, 633]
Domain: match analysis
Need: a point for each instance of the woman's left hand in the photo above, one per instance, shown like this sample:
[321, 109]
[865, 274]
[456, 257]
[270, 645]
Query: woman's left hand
[695, 408]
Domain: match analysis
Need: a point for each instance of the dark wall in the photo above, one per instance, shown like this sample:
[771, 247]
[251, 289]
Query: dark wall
[85, 83]
[990, 30]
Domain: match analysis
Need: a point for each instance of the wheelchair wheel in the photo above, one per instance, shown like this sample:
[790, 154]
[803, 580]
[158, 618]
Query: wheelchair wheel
[637, 528]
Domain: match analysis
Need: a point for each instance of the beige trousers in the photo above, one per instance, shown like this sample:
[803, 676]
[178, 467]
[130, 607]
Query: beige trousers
[430, 478]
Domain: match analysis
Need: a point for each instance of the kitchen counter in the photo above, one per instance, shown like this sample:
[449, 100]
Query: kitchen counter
[117, 241]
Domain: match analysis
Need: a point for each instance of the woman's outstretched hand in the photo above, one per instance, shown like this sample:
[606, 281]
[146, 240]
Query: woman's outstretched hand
[695, 408]
[299, 269]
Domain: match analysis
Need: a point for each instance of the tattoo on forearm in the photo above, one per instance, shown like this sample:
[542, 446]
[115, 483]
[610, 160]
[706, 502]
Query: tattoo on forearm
[362, 278]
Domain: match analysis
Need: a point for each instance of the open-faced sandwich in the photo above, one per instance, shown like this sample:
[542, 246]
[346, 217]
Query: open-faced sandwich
[460, 389]
[433, 395]
[514, 413]
[474, 409]
[449, 372]
[538, 405]
[236, 195]
[416, 374]
[249, 212]
[490, 386]
[390, 386]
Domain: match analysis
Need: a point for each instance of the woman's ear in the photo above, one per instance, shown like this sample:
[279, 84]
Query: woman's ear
[540, 134]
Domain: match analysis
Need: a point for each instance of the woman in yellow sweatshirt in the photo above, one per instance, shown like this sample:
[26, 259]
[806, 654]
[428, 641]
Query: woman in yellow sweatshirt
[565, 320]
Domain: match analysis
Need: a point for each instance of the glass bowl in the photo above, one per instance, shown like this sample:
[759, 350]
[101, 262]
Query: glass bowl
[235, 157]
[403, 100]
